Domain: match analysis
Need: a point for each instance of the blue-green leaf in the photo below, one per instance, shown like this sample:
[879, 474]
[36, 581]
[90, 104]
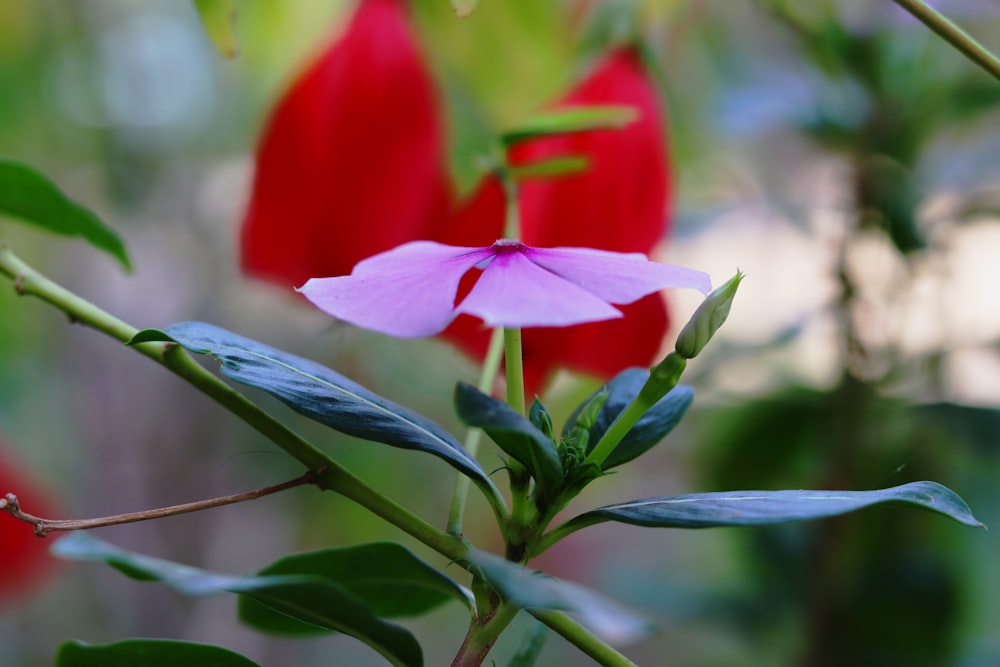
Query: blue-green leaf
[533, 590]
[649, 430]
[307, 598]
[148, 653]
[512, 432]
[320, 393]
[757, 508]
[385, 576]
[27, 195]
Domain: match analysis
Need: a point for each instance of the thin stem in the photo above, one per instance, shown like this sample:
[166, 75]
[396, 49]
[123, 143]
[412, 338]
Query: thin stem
[491, 367]
[954, 35]
[45, 526]
[619, 428]
[582, 638]
[29, 282]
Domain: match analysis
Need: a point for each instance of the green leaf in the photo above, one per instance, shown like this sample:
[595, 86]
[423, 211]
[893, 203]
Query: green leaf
[551, 167]
[308, 598]
[27, 195]
[320, 393]
[512, 432]
[758, 508]
[385, 576]
[527, 589]
[569, 120]
[649, 430]
[219, 19]
[148, 653]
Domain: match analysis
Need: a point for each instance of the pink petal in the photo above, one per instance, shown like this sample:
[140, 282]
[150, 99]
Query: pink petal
[616, 277]
[406, 292]
[514, 292]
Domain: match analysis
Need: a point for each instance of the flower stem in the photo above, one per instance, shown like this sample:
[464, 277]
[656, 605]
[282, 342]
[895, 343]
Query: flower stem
[953, 34]
[662, 378]
[329, 474]
[491, 367]
[515, 369]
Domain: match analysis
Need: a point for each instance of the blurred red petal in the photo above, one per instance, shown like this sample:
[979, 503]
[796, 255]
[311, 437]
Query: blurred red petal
[24, 557]
[351, 162]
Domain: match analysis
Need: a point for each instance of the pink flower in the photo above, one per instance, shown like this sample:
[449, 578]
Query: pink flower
[410, 291]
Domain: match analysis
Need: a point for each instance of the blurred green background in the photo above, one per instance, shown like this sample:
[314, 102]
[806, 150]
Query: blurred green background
[838, 152]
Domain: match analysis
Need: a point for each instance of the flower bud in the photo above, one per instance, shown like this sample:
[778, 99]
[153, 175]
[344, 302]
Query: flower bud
[710, 315]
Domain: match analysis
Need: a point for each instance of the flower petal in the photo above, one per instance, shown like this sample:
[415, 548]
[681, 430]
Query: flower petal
[407, 292]
[514, 292]
[616, 277]
[341, 174]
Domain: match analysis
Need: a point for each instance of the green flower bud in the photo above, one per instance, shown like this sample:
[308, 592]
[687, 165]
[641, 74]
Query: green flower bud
[710, 315]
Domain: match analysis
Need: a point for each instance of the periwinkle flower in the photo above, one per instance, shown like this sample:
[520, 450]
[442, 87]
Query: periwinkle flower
[411, 291]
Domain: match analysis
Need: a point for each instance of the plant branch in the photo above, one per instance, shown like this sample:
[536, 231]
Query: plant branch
[333, 477]
[45, 526]
[954, 35]
[603, 653]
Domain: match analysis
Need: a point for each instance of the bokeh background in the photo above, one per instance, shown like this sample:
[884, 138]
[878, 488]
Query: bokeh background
[839, 153]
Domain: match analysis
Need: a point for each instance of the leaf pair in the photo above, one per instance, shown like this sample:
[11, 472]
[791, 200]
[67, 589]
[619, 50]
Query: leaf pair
[341, 590]
[540, 455]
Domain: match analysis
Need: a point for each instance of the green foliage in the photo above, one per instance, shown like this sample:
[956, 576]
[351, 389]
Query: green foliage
[526, 589]
[148, 653]
[758, 508]
[384, 576]
[27, 195]
[513, 433]
[648, 431]
[308, 598]
[320, 393]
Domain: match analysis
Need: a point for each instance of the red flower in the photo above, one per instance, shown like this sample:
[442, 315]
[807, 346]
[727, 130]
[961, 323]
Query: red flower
[24, 557]
[619, 203]
[352, 160]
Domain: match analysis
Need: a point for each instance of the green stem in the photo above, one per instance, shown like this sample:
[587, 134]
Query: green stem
[491, 367]
[515, 369]
[582, 638]
[330, 475]
[953, 34]
[519, 478]
[662, 378]
[483, 633]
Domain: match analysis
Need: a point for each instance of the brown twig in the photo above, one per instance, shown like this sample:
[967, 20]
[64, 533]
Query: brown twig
[45, 526]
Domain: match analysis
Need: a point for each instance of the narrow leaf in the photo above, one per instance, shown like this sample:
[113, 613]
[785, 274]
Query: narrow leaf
[148, 653]
[307, 598]
[219, 19]
[512, 432]
[756, 508]
[528, 589]
[649, 430]
[569, 120]
[385, 576]
[320, 393]
[27, 195]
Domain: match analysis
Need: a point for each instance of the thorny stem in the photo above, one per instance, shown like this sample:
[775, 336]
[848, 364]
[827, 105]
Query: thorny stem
[954, 35]
[45, 526]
